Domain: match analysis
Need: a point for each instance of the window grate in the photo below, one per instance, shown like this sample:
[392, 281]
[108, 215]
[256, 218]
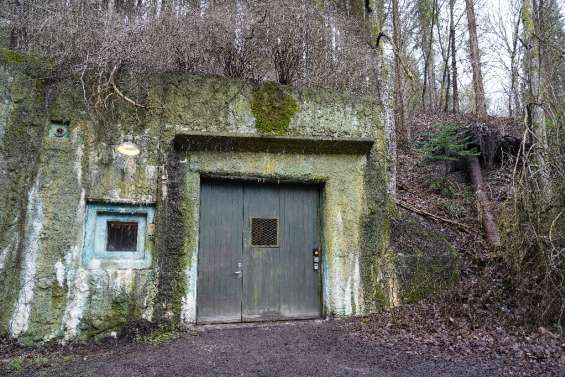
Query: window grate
[264, 232]
[122, 236]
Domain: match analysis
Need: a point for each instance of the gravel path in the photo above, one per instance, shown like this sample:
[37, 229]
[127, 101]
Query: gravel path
[309, 348]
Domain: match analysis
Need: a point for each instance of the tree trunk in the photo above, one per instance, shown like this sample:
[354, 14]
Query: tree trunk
[447, 87]
[377, 23]
[514, 100]
[399, 118]
[531, 18]
[486, 215]
[480, 102]
[445, 76]
[453, 57]
[427, 23]
[111, 6]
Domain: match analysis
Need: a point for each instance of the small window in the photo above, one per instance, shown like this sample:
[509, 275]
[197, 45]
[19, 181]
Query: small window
[122, 236]
[264, 232]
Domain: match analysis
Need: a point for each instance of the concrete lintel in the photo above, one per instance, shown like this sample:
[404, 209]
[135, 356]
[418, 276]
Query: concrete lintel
[275, 144]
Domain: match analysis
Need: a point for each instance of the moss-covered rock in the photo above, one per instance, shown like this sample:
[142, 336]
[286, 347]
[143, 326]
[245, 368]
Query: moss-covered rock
[426, 261]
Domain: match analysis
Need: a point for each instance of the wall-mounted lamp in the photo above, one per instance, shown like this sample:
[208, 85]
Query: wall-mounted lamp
[128, 147]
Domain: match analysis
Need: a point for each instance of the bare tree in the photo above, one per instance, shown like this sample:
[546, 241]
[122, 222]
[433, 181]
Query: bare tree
[454, 75]
[399, 116]
[514, 103]
[475, 56]
[445, 49]
[532, 19]
[427, 10]
[505, 26]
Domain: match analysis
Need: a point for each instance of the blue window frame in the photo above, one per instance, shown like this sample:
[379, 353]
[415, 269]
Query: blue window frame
[116, 236]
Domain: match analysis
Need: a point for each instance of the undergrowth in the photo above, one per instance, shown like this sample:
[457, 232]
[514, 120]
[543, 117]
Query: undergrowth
[533, 223]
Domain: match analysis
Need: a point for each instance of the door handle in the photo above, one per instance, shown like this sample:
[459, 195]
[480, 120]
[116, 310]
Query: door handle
[237, 272]
[239, 269]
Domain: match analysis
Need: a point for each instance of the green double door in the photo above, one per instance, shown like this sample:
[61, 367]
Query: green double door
[255, 259]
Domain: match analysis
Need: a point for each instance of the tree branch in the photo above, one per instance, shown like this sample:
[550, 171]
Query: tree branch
[119, 92]
[396, 52]
[410, 208]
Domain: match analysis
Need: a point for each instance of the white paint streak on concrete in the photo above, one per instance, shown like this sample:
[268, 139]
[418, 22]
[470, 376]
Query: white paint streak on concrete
[346, 299]
[188, 308]
[60, 273]
[20, 317]
[339, 284]
[122, 280]
[77, 277]
[358, 287]
[76, 304]
[148, 306]
[4, 255]
[78, 164]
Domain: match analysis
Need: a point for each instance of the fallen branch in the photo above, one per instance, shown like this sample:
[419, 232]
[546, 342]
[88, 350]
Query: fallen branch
[119, 92]
[410, 208]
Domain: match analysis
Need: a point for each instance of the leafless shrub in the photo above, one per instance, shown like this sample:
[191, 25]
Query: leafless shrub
[534, 229]
[295, 42]
[234, 39]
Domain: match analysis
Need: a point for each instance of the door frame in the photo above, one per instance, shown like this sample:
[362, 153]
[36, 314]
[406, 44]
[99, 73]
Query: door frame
[321, 186]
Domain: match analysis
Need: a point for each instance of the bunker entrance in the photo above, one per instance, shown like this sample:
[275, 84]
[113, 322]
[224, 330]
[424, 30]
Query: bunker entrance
[256, 249]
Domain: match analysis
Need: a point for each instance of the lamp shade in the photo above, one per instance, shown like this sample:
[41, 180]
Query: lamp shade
[127, 148]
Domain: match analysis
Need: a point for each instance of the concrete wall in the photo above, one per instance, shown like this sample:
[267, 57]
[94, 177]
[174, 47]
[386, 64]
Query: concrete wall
[46, 184]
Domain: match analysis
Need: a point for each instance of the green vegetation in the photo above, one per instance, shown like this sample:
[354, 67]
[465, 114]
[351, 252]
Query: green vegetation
[12, 57]
[19, 363]
[164, 333]
[450, 143]
[443, 186]
[427, 261]
[31, 64]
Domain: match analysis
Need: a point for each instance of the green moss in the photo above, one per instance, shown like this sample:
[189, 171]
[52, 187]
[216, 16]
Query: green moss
[189, 194]
[58, 295]
[20, 363]
[119, 307]
[8, 56]
[424, 275]
[423, 283]
[17, 363]
[378, 297]
[427, 262]
[32, 65]
[273, 109]
[163, 334]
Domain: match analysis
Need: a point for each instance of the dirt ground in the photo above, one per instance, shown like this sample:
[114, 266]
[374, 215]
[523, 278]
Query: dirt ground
[308, 348]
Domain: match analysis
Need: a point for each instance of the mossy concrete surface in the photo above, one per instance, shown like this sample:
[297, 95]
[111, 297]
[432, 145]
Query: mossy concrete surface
[46, 184]
[273, 109]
